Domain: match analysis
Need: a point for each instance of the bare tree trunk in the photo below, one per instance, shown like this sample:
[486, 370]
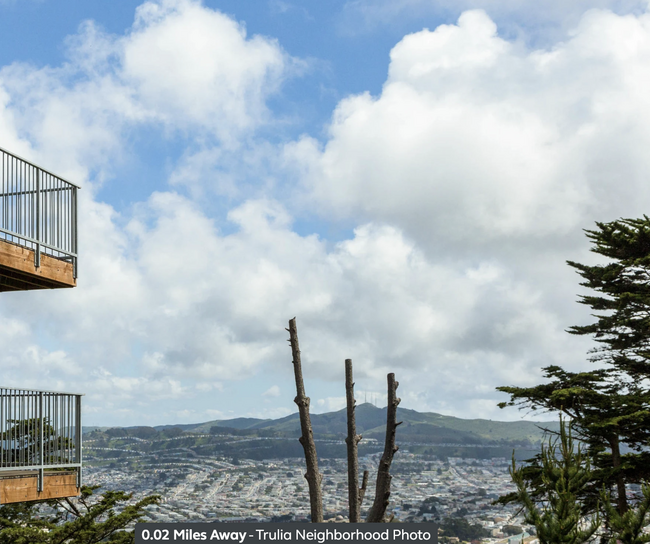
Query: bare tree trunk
[352, 441]
[382, 492]
[314, 478]
[621, 500]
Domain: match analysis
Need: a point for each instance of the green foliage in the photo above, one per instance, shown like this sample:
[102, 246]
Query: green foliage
[609, 406]
[463, 529]
[512, 530]
[87, 520]
[563, 478]
[628, 528]
[25, 434]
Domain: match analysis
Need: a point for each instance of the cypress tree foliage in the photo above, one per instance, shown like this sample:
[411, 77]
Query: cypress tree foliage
[564, 478]
[610, 406]
[84, 521]
[628, 528]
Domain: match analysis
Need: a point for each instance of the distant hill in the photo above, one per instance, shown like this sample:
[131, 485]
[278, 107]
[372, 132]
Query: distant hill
[250, 438]
[422, 427]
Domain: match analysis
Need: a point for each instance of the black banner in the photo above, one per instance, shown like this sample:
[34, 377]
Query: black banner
[295, 533]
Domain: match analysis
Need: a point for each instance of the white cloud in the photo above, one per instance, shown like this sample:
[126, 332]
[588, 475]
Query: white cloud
[330, 404]
[273, 391]
[181, 66]
[467, 181]
[545, 21]
[196, 67]
[480, 140]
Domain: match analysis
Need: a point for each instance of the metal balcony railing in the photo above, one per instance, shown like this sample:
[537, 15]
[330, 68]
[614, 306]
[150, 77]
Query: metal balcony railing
[39, 430]
[38, 209]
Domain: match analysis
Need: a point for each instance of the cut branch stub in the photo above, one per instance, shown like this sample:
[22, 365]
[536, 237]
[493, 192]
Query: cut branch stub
[382, 491]
[313, 476]
[364, 486]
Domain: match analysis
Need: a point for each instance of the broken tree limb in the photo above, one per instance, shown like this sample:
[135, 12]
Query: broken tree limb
[314, 478]
[352, 442]
[364, 486]
[382, 492]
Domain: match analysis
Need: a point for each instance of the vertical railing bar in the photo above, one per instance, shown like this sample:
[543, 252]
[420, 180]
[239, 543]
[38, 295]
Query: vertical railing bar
[41, 461]
[55, 417]
[10, 433]
[67, 423]
[11, 413]
[37, 255]
[18, 200]
[62, 415]
[2, 416]
[76, 231]
[78, 438]
[31, 430]
[10, 443]
[2, 412]
[17, 418]
[30, 204]
[71, 429]
[30, 433]
[21, 200]
[46, 209]
[21, 409]
[11, 219]
[66, 444]
[52, 212]
[9, 448]
[58, 215]
[61, 429]
[46, 445]
[55, 216]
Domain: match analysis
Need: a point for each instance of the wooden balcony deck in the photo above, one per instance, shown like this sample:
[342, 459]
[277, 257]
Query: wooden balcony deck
[18, 272]
[21, 486]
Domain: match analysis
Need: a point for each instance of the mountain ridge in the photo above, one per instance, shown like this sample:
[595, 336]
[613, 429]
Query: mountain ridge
[429, 427]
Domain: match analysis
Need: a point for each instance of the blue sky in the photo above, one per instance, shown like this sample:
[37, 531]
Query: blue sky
[406, 177]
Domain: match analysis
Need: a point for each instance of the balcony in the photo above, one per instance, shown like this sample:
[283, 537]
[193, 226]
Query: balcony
[40, 445]
[38, 227]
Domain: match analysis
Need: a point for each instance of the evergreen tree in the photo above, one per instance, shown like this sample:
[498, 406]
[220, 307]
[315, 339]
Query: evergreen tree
[86, 520]
[564, 478]
[628, 528]
[609, 406]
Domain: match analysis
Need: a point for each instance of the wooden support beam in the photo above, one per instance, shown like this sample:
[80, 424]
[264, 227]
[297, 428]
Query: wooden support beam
[56, 485]
[17, 270]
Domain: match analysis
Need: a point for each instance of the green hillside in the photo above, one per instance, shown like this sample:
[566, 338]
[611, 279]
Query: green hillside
[427, 427]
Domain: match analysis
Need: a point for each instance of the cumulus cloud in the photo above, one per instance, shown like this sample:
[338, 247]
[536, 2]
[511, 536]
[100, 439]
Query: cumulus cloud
[196, 67]
[489, 157]
[476, 139]
[467, 181]
[546, 21]
[182, 66]
[273, 391]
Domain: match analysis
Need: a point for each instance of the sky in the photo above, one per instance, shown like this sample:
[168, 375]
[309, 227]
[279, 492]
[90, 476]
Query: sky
[407, 178]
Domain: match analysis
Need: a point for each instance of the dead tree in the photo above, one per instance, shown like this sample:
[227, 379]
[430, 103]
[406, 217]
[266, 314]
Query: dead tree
[352, 442]
[314, 478]
[382, 493]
